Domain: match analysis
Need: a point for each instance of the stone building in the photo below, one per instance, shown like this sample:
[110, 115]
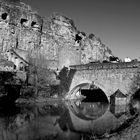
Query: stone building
[19, 58]
[118, 98]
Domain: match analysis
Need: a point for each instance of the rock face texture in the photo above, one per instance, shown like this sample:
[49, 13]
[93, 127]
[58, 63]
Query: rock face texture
[56, 38]
[10, 1]
[94, 50]
[19, 26]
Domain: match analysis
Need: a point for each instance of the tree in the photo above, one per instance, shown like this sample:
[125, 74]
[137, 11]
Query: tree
[39, 74]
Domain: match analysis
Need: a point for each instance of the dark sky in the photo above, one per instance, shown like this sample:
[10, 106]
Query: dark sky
[116, 22]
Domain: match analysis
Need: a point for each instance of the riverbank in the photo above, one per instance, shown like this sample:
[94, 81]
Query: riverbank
[35, 100]
[128, 131]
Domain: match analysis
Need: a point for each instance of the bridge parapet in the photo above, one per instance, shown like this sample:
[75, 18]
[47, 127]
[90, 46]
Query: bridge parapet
[109, 77]
[97, 66]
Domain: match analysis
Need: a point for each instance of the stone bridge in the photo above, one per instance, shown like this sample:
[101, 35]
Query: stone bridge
[109, 77]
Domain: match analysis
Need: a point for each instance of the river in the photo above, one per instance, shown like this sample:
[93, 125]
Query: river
[61, 120]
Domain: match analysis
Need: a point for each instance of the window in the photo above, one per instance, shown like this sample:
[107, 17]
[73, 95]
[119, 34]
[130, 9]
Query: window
[4, 16]
[78, 38]
[33, 23]
[21, 67]
[14, 67]
[22, 21]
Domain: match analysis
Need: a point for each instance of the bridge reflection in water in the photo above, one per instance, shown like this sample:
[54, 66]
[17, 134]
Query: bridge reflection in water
[97, 117]
[88, 110]
[60, 120]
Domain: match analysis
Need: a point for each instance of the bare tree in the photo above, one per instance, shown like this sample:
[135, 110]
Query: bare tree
[39, 74]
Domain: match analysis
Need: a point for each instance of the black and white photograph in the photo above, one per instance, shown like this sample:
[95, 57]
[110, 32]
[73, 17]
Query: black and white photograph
[69, 69]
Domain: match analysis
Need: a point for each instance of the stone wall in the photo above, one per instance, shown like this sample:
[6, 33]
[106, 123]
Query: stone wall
[108, 79]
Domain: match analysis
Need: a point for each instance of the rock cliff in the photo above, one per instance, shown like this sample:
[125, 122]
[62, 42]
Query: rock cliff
[57, 38]
[94, 50]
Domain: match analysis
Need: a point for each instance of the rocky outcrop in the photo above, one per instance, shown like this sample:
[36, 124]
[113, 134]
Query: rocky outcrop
[56, 38]
[61, 41]
[94, 50]
[20, 27]
[62, 29]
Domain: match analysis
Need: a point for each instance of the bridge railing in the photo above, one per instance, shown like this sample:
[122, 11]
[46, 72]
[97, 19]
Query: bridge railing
[97, 66]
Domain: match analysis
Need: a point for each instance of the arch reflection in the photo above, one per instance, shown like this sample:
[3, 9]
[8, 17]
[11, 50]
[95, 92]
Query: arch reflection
[88, 110]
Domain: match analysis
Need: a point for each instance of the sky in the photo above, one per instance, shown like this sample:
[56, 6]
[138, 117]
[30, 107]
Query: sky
[115, 22]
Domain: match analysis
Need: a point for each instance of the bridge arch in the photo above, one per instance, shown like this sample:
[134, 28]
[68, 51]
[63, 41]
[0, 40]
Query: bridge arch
[87, 85]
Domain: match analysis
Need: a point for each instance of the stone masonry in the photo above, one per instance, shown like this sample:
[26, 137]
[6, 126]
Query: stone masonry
[108, 77]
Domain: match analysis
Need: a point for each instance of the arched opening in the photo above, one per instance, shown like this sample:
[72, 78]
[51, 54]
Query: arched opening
[94, 104]
[78, 38]
[90, 92]
[35, 26]
[94, 95]
[4, 16]
[33, 23]
[22, 21]
[21, 66]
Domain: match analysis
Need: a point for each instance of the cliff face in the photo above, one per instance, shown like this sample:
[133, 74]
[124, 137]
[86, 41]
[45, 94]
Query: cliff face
[61, 28]
[56, 38]
[19, 27]
[94, 50]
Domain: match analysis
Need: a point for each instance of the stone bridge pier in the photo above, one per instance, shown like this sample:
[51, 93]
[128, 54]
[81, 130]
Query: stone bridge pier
[107, 77]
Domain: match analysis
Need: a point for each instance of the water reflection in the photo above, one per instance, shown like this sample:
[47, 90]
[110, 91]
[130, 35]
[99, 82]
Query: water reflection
[59, 120]
[37, 123]
[88, 110]
[96, 117]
